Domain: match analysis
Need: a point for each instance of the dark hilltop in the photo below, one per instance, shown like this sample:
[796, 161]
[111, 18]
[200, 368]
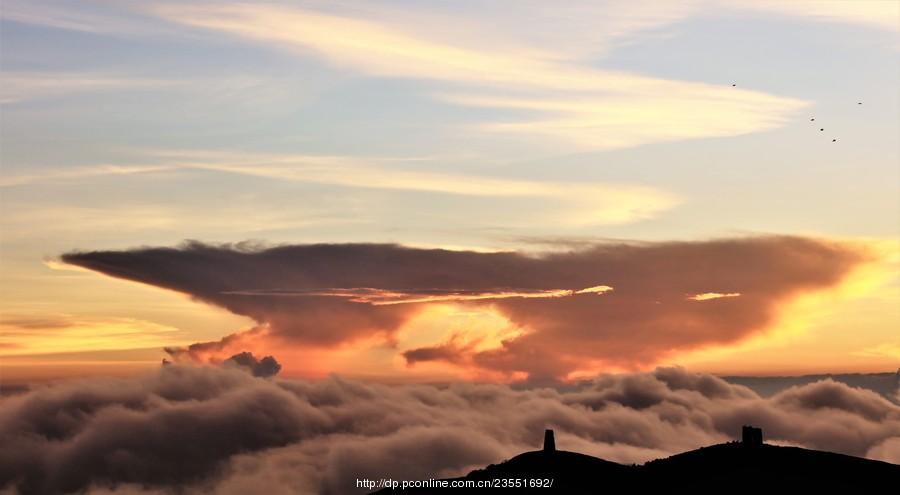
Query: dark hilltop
[747, 466]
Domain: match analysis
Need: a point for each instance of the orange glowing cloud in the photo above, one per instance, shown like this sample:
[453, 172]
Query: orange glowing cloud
[24, 334]
[706, 296]
[379, 297]
[560, 325]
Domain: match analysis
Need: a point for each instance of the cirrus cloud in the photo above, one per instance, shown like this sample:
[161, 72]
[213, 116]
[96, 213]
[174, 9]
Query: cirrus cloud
[573, 101]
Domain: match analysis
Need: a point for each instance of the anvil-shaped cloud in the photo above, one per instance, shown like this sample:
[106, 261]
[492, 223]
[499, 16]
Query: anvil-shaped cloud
[610, 304]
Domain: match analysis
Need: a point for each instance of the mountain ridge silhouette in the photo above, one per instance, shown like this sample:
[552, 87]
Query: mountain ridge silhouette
[732, 467]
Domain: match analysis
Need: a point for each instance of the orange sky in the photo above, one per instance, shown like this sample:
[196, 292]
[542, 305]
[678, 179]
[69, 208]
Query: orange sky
[808, 333]
[681, 130]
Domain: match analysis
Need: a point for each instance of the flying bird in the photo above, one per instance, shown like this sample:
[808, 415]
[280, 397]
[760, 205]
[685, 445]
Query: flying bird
[811, 120]
[821, 129]
[834, 140]
[733, 85]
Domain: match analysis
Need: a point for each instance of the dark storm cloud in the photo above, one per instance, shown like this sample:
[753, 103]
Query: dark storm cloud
[196, 350]
[264, 367]
[443, 352]
[223, 430]
[324, 295]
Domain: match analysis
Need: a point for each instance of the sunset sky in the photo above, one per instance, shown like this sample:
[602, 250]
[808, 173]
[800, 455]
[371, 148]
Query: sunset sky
[440, 191]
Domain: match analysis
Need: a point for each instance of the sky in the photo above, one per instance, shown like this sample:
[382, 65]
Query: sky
[450, 191]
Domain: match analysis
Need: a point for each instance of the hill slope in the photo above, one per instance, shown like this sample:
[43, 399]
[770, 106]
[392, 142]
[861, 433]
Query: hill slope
[730, 467]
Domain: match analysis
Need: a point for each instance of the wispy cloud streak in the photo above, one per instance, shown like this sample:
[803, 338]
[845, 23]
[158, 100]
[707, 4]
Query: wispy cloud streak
[379, 297]
[578, 104]
[586, 203]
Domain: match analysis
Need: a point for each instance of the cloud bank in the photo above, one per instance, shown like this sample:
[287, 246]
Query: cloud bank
[222, 429]
[625, 305]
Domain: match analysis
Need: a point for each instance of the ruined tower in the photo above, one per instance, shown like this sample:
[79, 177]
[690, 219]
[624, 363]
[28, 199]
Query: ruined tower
[549, 442]
[897, 382]
[751, 436]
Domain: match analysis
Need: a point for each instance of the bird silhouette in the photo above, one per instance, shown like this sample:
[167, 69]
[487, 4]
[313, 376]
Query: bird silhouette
[834, 140]
[821, 129]
[811, 120]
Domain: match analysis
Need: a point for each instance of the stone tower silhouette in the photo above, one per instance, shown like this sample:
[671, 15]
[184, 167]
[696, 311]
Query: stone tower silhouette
[897, 381]
[549, 441]
[751, 436]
